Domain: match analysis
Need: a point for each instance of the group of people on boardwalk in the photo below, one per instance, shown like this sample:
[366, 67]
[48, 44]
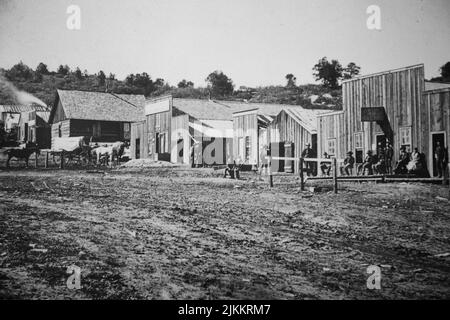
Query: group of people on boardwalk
[372, 164]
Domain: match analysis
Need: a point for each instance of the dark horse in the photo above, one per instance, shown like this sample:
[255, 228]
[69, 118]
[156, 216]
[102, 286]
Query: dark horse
[24, 153]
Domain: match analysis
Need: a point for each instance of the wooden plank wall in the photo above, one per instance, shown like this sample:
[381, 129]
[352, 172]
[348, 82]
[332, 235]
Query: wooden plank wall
[246, 125]
[152, 129]
[65, 129]
[137, 132]
[332, 126]
[290, 130]
[437, 108]
[180, 130]
[398, 91]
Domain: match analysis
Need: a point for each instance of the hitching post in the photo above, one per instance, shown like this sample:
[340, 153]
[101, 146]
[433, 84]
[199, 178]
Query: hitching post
[270, 173]
[61, 165]
[300, 170]
[335, 184]
[36, 159]
[46, 159]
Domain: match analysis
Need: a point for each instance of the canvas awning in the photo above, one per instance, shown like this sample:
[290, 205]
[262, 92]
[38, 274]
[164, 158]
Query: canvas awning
[213, 128]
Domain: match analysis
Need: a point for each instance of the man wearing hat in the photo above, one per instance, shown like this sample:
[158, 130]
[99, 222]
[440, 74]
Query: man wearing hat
[325, 166]
[402, 161]
[308, 153]
[388, 155]
[349, 162]
[367, 164]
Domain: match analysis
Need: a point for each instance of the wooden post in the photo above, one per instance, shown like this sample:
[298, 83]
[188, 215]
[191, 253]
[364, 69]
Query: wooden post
[335, 184]
[300, 169]
[46, 159]
[61, 165]
[36, 159]
[270, 173]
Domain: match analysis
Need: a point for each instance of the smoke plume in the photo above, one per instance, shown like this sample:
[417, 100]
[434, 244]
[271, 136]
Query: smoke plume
[20, 97]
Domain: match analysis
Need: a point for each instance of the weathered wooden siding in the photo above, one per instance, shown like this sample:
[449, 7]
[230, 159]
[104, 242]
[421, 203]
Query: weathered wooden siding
[289, 130]
[138, 134]
[245, 126]
[157, 124]
[180, 134]
[63, 127]
[398, 91]
[332, 126]
[436, 111]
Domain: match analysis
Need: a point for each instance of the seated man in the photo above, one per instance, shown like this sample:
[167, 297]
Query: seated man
[325, 167]
[367, 164]
[402, 161]
[380, 166]
[349, 162]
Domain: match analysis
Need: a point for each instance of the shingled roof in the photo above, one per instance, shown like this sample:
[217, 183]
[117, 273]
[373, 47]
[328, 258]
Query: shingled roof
[101, 106]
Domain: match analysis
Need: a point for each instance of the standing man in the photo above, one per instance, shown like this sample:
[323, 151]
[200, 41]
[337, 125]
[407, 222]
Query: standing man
[388, 155]
[439, 157]
[264, 163]
[308, 153]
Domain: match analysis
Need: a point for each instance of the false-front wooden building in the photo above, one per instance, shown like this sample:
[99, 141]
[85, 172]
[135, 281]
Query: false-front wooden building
[34, 127]
[104, 116]
[190, 131]
[260, 125]
[397, 105]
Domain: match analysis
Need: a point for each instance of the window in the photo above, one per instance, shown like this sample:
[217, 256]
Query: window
[126, 127]
[359, 140]
[405, 137]
[331, 147]
[247, 148]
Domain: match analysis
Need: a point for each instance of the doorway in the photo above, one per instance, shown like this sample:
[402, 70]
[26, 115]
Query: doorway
[435, 138]
[381, 144]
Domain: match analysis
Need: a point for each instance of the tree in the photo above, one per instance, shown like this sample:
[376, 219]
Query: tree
[42, 69]
[112, 76]
[351, 71]
[63, 70]
[101, 77]
[185, 84]
[78, 74]
[219, 84]
[20, 71]
[129, 80]
[290, 80]
[445, 72]
[328, 72]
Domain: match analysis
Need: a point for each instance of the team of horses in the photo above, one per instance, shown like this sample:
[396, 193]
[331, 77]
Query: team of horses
[89, 153]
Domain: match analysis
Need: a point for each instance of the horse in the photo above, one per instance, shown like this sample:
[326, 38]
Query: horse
[110, 153]
[23, 153]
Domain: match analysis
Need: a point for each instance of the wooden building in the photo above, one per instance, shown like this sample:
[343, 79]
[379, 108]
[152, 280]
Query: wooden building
[34, 127]
[258, 124]
[388, 105]
[189, 131]
[104, 116]
[295, 127]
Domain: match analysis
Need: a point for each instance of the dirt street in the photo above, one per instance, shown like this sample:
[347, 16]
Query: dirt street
[177, 233]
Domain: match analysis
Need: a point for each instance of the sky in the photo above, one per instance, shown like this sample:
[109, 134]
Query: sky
[254, 42]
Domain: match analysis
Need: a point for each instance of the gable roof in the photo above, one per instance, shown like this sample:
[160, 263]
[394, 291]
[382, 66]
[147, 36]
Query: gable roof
[100, 106]
[307, 118]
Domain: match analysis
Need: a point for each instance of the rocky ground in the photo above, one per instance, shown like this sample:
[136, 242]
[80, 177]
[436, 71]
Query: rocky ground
[179, 233]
